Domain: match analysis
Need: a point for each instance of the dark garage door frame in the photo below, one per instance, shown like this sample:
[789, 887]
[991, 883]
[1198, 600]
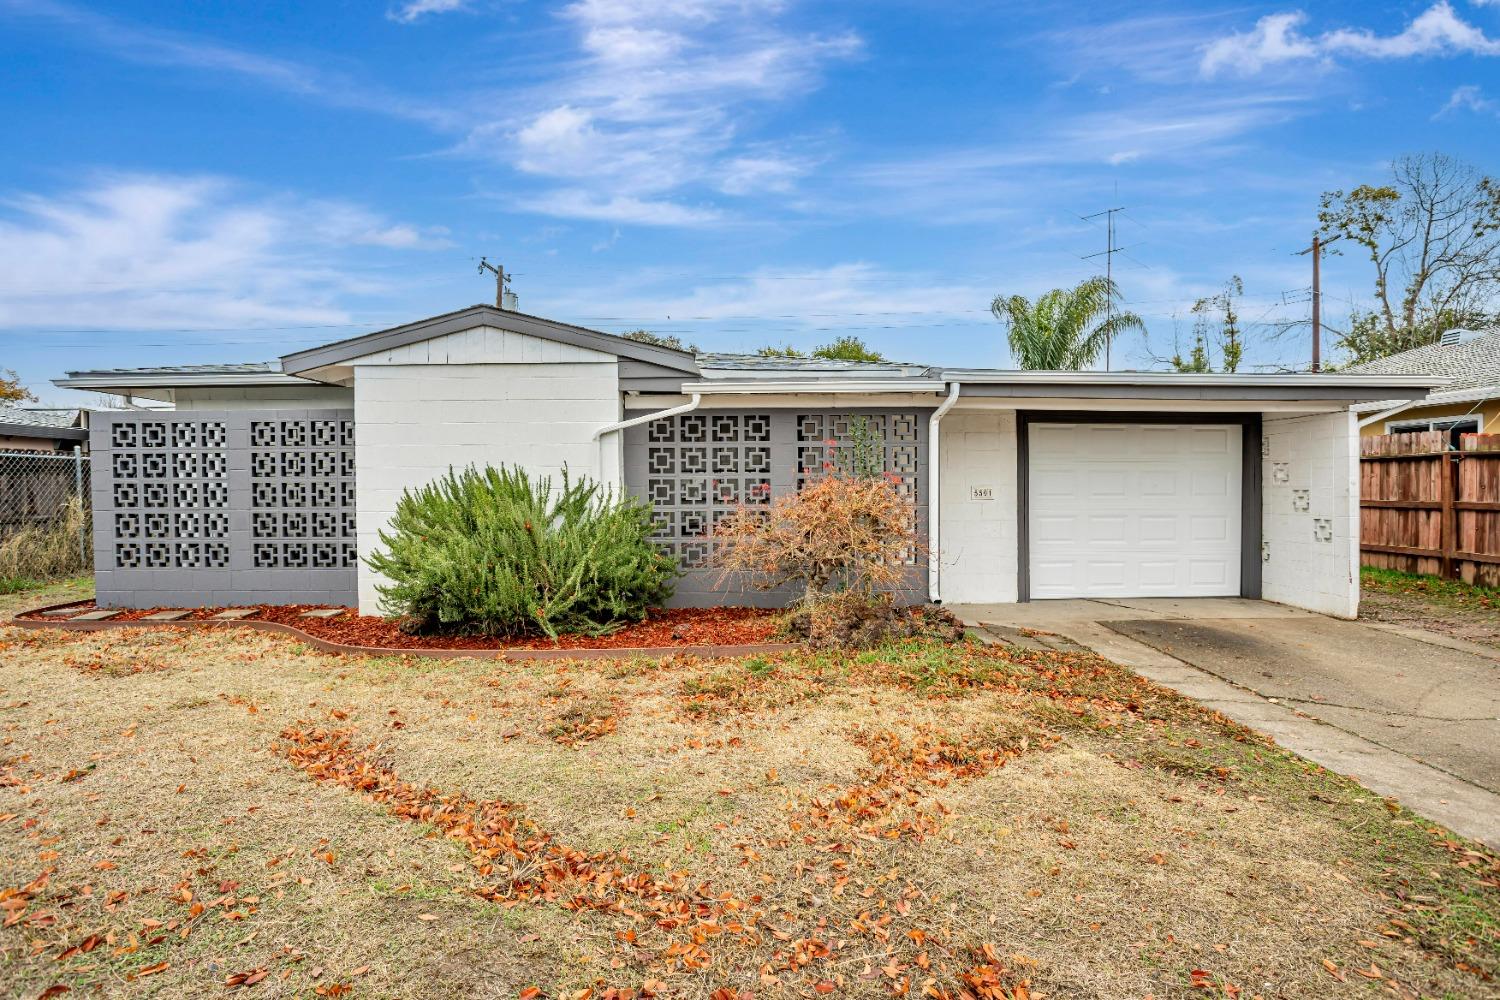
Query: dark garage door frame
[1250, 480]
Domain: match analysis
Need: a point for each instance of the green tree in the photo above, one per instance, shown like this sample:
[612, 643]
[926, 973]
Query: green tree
[779, 351]
[1065, 329]
[1216, 325]
[1432, 236]
[11, 389]
[848, 348]
[660, 340]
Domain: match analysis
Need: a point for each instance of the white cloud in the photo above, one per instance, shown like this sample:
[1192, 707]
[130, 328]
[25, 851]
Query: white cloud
[1469, 98]
[576, 203]
[1278, 38]
[1274, 39]
[415, 10]
[150, 250]
[653, 107]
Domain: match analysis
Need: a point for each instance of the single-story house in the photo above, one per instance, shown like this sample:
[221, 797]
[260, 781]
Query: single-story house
[42, 428]
[1467, 403]
[1028, 484]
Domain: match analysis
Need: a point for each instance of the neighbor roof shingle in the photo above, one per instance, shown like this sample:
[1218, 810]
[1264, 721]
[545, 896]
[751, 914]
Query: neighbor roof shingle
[23, 417]
[1470, 365]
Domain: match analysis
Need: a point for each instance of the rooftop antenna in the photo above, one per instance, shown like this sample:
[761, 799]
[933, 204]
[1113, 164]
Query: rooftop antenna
[1108, 253]
[504, 297]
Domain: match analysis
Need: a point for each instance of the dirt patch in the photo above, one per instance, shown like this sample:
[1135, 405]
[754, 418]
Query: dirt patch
[1444, 607]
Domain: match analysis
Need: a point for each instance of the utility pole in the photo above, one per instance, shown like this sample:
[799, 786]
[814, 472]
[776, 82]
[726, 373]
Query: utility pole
[502, 280]
[1108, 253]
[1317, 298]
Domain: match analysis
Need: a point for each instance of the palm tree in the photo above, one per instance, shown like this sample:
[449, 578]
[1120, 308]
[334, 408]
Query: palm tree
[1064, 329]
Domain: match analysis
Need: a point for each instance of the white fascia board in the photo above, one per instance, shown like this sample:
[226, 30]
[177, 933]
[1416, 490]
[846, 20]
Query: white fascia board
[1436, 399]
[814, 386]
[1357, 381]
[178, 381]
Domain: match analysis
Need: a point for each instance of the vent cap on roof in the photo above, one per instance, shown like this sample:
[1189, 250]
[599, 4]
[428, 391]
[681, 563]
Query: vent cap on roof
[1452, 338]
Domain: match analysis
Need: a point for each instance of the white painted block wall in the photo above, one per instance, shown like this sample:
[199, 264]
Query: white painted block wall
[978, 542]
[1310, 512]
[414, 421]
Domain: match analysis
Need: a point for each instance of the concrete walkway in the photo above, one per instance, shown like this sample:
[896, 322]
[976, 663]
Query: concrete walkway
[1405, 714]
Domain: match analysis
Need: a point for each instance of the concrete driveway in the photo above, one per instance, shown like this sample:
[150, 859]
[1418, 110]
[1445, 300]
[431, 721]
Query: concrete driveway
[1407, 714]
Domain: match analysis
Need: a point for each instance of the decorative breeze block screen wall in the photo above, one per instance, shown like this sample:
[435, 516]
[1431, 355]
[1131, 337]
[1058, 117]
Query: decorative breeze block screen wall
[224, 507]
[697, 467]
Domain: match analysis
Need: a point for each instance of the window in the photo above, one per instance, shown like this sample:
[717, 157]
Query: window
[1455, 426]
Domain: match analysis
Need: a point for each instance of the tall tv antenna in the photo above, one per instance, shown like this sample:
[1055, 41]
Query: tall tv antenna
[1108, 253]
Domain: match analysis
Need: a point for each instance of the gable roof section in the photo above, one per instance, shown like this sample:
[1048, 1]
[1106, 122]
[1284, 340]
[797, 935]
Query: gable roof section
[1474, 364]
[343, 351]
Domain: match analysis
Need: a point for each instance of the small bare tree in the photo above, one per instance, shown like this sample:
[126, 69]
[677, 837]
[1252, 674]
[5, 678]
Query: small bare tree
[839, 531]
[1433, 236]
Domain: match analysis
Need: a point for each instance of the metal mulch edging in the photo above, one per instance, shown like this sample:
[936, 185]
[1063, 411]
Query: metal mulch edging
[613, 653]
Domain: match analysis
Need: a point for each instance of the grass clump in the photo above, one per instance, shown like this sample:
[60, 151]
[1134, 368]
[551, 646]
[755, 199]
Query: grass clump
[44, 552]
[492, 552]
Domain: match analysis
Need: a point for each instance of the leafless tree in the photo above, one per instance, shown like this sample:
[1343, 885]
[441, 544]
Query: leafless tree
[1433, 236]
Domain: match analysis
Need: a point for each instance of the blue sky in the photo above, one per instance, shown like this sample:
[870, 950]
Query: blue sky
[186, 182]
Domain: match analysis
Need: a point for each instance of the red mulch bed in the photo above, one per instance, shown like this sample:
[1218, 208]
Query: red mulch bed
[663, 627]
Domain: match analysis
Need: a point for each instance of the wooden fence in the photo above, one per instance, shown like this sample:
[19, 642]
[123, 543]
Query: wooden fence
[1425, 509]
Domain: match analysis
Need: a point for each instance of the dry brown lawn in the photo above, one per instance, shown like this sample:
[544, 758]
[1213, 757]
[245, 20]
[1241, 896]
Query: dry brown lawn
[186, 813]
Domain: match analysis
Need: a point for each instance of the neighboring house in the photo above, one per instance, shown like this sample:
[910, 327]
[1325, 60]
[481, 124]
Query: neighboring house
[1028, 484]
[45, 429]
[1467, 403]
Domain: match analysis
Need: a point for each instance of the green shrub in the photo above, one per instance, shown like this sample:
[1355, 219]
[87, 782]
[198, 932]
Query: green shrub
[492, 553]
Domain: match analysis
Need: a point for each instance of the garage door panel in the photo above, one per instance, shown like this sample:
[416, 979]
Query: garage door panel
[1123, 510]
[1158, 575]
[1055, 484]
[1209, 528]
[1056, 528]
[1213, 440]
[1157, 528]
[1105, 529]
[1211, 482]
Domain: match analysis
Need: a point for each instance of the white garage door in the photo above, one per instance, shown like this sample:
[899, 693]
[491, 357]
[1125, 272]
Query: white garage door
[1134, 510]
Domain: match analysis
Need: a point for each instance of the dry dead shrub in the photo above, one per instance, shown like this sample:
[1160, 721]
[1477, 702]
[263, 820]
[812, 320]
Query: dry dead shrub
[854, 533]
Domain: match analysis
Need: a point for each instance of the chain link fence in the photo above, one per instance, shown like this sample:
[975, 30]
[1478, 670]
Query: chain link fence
[44, 515]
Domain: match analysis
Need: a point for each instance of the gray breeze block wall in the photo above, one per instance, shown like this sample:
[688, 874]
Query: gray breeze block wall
[698, 467]
[206, 508]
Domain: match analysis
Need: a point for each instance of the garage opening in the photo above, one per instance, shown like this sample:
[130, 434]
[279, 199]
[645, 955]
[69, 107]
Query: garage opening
[1134, 509]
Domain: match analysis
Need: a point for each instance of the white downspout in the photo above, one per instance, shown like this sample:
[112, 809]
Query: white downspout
[934, 507]
[620, 425]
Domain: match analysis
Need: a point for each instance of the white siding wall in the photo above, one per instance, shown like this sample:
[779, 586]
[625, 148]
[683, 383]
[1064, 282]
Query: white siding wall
[978, 543]
[286, 397]
[1310, 512]
[415, 420]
